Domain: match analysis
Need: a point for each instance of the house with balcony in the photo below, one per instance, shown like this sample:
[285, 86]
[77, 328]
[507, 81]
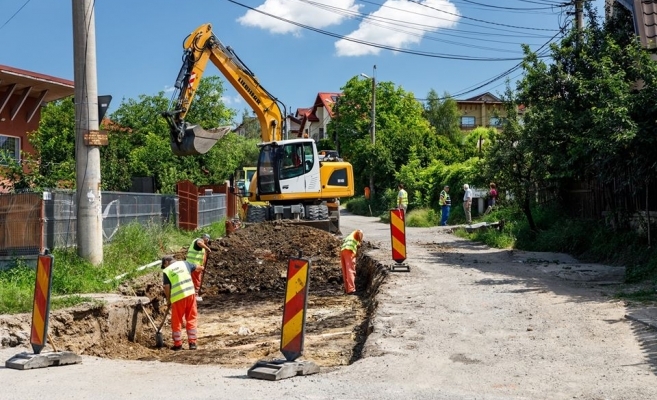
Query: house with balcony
[484, 110]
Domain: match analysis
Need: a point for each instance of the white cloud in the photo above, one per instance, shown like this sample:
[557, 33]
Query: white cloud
[229, 100]
[297, 11]
[411, 18]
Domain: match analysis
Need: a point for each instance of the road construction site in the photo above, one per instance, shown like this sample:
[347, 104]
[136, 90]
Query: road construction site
[466, 322]
[241, 310]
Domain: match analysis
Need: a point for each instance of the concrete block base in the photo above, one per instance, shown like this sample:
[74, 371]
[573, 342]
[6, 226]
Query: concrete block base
[26, 360]
[281, 369]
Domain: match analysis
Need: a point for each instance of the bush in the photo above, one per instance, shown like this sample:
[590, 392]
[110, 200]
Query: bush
[422, 218]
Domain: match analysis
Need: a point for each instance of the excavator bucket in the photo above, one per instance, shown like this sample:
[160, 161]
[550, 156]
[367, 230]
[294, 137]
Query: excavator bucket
[197, 140]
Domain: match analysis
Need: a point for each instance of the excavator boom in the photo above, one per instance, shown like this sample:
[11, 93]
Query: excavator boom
[200, 47]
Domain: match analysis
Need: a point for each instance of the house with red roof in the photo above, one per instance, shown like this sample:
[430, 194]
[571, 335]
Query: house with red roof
[314, 121]
[22, 94]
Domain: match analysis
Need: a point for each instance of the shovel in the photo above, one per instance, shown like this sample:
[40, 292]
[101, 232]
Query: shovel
[159, 340]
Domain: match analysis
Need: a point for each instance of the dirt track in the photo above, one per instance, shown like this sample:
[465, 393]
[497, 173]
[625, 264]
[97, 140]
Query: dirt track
[467, 322]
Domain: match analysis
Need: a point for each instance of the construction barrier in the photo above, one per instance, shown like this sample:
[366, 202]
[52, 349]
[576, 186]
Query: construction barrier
[398, 238]
[294, 310]
[41, 304]
[294, 327]
[39, 333]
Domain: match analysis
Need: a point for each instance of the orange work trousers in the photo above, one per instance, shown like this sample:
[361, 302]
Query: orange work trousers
[197, 276]
[184, 309]
[348, 262]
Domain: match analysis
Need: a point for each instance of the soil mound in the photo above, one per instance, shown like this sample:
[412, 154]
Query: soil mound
[255, 258]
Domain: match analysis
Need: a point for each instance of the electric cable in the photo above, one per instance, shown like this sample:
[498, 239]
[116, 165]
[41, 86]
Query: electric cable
[376, 45]
[14, 14]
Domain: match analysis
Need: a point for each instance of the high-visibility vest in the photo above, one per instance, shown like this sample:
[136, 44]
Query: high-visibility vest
[181, 281]
[402, 198]
[444, 200]
[350, 243]
[195, 256]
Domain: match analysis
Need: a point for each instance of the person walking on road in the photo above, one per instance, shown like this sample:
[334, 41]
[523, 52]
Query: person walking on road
[179, 292]
[348, 251]
[445, 203]
[467, 204]
[197, 254]
[402, 198]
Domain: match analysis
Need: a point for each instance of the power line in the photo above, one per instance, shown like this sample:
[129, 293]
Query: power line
[504, 74]
[12, 17]
[387, 23]
[481, 20]
[513, 8]
[380, 46]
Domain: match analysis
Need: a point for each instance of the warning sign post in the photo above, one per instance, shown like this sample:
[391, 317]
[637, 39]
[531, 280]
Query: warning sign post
[293, 329]
[39, 331]
[398, 240]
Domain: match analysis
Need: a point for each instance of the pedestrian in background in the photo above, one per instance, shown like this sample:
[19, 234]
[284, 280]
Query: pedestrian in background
[180, 295]
[492, 197]
[197, 254]
[350, 246]
[402, 198]
[467, 204]
[445, 203]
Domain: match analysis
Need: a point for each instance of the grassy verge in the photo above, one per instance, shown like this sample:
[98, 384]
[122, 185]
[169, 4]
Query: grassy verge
[134, 245]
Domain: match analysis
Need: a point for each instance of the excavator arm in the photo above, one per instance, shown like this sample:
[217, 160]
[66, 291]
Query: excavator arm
[200, 47]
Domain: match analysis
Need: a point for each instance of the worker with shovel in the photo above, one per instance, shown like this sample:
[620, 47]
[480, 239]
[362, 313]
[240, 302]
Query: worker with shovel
[179, 292]
[198, 254]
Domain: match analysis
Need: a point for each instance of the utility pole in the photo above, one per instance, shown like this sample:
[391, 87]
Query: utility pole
[373, 123]
[579, 17]
[87, 153]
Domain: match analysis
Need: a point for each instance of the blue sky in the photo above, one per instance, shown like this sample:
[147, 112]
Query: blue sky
[139, 42]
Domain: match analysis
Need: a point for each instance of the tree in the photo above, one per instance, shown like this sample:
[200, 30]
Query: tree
[584, 119]
[139, 145]
[147, 144]
[444, 116]
[400, 128]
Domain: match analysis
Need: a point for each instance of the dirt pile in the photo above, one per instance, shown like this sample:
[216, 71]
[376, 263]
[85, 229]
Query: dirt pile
[254, 259]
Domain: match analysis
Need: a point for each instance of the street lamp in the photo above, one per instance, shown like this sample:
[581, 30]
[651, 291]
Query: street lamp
[373, 126]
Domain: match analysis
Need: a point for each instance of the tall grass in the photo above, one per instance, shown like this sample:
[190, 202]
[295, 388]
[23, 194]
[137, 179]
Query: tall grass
[133, 245]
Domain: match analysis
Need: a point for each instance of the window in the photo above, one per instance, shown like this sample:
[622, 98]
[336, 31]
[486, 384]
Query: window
[494, 121]
[11, 148]
[321, 133]
[468, 121]
[292, 161]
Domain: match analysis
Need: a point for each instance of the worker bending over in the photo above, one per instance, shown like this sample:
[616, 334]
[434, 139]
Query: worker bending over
[349, 248]
[179, 292]
[197, 254]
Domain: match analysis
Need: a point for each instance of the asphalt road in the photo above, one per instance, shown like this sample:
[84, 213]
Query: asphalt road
[467, 322]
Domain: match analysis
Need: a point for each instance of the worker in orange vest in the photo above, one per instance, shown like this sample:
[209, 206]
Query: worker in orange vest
[180, 295]
[348, 251]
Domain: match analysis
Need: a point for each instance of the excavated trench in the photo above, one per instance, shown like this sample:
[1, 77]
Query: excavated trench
[239, 324]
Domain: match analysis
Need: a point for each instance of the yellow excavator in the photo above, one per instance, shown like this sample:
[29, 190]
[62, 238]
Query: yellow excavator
[290, 181]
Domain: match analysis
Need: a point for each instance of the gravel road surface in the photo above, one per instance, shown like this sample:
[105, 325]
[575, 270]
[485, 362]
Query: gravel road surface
[467, 322]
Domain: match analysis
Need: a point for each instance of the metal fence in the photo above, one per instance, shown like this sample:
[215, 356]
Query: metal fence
[31, 221]
[211, 208]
